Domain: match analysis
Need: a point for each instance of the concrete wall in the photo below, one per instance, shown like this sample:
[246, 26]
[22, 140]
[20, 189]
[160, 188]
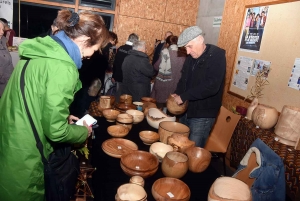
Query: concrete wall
[208, 9]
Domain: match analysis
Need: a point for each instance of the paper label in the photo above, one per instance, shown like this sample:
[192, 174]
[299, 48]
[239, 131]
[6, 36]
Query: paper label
[137, 167]
[119, 147]
[170, 194]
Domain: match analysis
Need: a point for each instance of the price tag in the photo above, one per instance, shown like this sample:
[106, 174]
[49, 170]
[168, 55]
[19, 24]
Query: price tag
[170, 194]
[276, 139]
[137, 167]
[119, 147]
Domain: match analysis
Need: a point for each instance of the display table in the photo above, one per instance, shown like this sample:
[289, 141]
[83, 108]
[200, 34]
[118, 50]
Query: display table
[109, 175]
[246, 132]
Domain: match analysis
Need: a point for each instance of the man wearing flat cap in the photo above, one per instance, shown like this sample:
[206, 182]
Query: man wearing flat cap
[201, 83]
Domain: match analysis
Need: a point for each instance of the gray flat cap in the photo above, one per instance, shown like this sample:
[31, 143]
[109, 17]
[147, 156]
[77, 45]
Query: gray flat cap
[188, 34]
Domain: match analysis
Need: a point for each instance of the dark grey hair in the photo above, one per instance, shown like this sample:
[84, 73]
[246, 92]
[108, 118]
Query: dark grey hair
[139, 45]
[133, 37]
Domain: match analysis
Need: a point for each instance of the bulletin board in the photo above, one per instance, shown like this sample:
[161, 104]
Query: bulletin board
[280, 45]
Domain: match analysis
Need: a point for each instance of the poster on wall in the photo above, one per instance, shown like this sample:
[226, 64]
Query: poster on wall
[6, 11]
[253, 28]
[294, 80]
[261, 66]
[242, 72]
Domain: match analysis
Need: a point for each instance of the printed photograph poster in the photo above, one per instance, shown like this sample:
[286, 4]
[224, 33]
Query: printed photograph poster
[294, 80]
[242, 72]
[262, 66]
[253, 28]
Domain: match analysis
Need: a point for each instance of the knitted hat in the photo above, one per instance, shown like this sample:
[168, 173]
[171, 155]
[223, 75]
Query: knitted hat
[188, 34]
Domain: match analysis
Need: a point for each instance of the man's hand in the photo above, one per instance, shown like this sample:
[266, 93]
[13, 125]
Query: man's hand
[72, 118]
[177, 99]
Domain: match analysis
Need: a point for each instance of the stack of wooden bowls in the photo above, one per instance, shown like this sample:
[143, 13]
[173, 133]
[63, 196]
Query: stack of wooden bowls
[125, 120]
[139, 163]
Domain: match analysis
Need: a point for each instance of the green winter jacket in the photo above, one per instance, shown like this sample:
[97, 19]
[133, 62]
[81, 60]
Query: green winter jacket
[51, 79]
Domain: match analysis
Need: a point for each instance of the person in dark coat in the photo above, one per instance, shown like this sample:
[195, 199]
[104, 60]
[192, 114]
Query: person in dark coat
[201, 83]
[137, 72]
[122, 52]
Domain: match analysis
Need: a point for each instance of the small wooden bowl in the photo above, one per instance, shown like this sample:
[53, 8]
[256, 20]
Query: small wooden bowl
[170, 189]
[117, 130]
[160, 149]
[199, 159]
[116, 147]
[137, 180]
[138, 116]
[125, 118]
[131, 192]
[149, 137]
[110, 114]
[175, 164]
[174, 108]
[139, 163]
[148, 99]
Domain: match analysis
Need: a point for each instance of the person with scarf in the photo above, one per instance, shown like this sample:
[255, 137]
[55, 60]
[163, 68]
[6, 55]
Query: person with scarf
[51, 80]
[169, 67]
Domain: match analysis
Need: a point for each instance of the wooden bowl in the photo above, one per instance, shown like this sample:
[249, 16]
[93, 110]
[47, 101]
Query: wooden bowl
[110, 114]
[149, 137]
[160, 149]
[155, 116]
[147, 106]
[124, 118]
[229, 188]
[167, 128]
[174, 108]
[137, 180]
[132, 192]
[170, 189]
[117, 130]
[175, 164]
[138, 116]
[199, 159]
[180, 142]
[126, 98]
[116, 147]
[139, 163]
[148, 99]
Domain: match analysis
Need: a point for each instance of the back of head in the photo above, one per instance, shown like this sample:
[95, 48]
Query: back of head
[4, 21]
[113, 37]
[83, 24]
[133, 37]
[139, 45]
[172, 40]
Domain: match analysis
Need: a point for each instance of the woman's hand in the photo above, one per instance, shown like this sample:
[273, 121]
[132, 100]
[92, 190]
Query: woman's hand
[72, 118]
[177, 99]
[88, 127]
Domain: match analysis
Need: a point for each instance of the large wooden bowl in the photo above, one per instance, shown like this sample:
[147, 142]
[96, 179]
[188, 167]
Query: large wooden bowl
[174, 108]
[139, 163]
[110, 114]
[138, 116]
[199, 159]
[229, 189]
[167, 128]
[117, 130]
[131, 192]
[116, 147]
[149, 137]
[160, 149]
[155, 116]
[170, 189]
[175, 164]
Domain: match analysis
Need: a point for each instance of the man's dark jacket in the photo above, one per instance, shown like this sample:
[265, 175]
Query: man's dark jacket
[137, 74]
[119, 58]
[202, 83]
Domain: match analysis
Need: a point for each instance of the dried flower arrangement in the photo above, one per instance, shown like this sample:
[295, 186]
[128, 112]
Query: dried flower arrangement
[258, 87]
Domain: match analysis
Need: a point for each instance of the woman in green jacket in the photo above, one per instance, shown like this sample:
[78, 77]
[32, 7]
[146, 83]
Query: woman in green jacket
[51, 80]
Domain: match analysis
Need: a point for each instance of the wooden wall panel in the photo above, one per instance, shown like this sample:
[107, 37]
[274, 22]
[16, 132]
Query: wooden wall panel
[150, 19]
[182, 11]
[232, 20]
[147, 30]
[150, 9]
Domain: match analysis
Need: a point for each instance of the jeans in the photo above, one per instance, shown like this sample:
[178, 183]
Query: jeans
[199, 128]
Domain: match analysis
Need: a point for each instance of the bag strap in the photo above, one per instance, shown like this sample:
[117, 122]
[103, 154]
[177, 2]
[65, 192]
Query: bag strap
[39, 144]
